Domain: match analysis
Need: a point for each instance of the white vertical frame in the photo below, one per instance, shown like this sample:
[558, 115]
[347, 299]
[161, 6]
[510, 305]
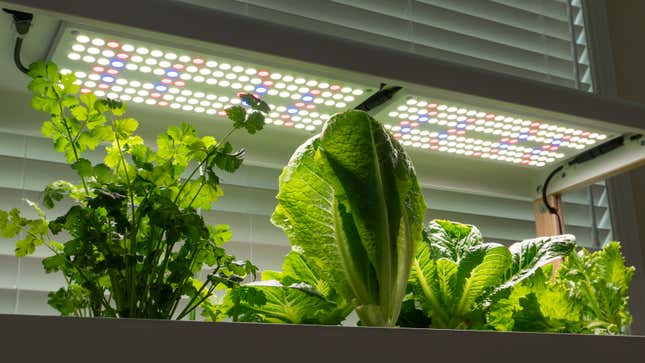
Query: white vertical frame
[620, 188]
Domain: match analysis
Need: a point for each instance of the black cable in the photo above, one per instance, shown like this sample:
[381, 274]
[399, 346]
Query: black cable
[550, 208]
[22, 22]
[16, 56]
[384, 94]
[579, 159]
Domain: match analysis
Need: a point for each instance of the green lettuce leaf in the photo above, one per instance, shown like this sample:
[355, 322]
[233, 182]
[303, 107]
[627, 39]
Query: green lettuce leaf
[532, 254]
[589, 295]
[308, 215]
[599, 283]
[451, 293]
[451, 239]
[536, 305]
[297, 295]
[350, 199]
[293, 304]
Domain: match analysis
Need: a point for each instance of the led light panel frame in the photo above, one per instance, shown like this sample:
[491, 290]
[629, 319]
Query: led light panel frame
[167, 77]
[440, 126]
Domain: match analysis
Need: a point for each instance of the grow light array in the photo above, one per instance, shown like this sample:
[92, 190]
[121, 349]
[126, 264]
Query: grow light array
[165, 77]
[437, 126]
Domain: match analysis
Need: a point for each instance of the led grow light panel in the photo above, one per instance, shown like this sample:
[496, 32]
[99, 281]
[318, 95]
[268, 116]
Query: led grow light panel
[439, 126]
[162, 76]
[167, 77]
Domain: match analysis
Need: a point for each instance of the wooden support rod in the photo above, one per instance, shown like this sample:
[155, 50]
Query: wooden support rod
[546, 223]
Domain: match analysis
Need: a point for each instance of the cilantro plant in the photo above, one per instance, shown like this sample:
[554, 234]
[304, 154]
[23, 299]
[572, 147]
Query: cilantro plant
[135, 238]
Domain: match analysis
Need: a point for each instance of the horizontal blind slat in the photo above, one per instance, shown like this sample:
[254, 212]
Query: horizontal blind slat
[509, 15]
[528, 39]
[552, 8]
[515, 27]
[454, 31]
[447, 46]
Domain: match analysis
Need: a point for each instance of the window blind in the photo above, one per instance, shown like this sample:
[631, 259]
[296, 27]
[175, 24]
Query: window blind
[593, 207]
[538, 39]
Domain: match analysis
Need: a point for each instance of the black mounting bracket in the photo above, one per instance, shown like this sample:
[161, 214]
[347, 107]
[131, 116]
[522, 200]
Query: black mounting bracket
[384, 94]
[21, 20]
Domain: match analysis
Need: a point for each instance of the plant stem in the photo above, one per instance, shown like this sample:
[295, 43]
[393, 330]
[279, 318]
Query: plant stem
[185, 310]
[225, 138]
[192, 261]
[69, 136]
[208, 294]
[201, 185]
[127, 180]
[192, 174]
[208, 155]
[133, 230]
[152, 263]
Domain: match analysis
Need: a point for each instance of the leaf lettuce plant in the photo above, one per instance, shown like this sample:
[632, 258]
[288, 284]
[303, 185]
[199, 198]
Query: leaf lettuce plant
[588, 295]
[456, 276]
[350, 200]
